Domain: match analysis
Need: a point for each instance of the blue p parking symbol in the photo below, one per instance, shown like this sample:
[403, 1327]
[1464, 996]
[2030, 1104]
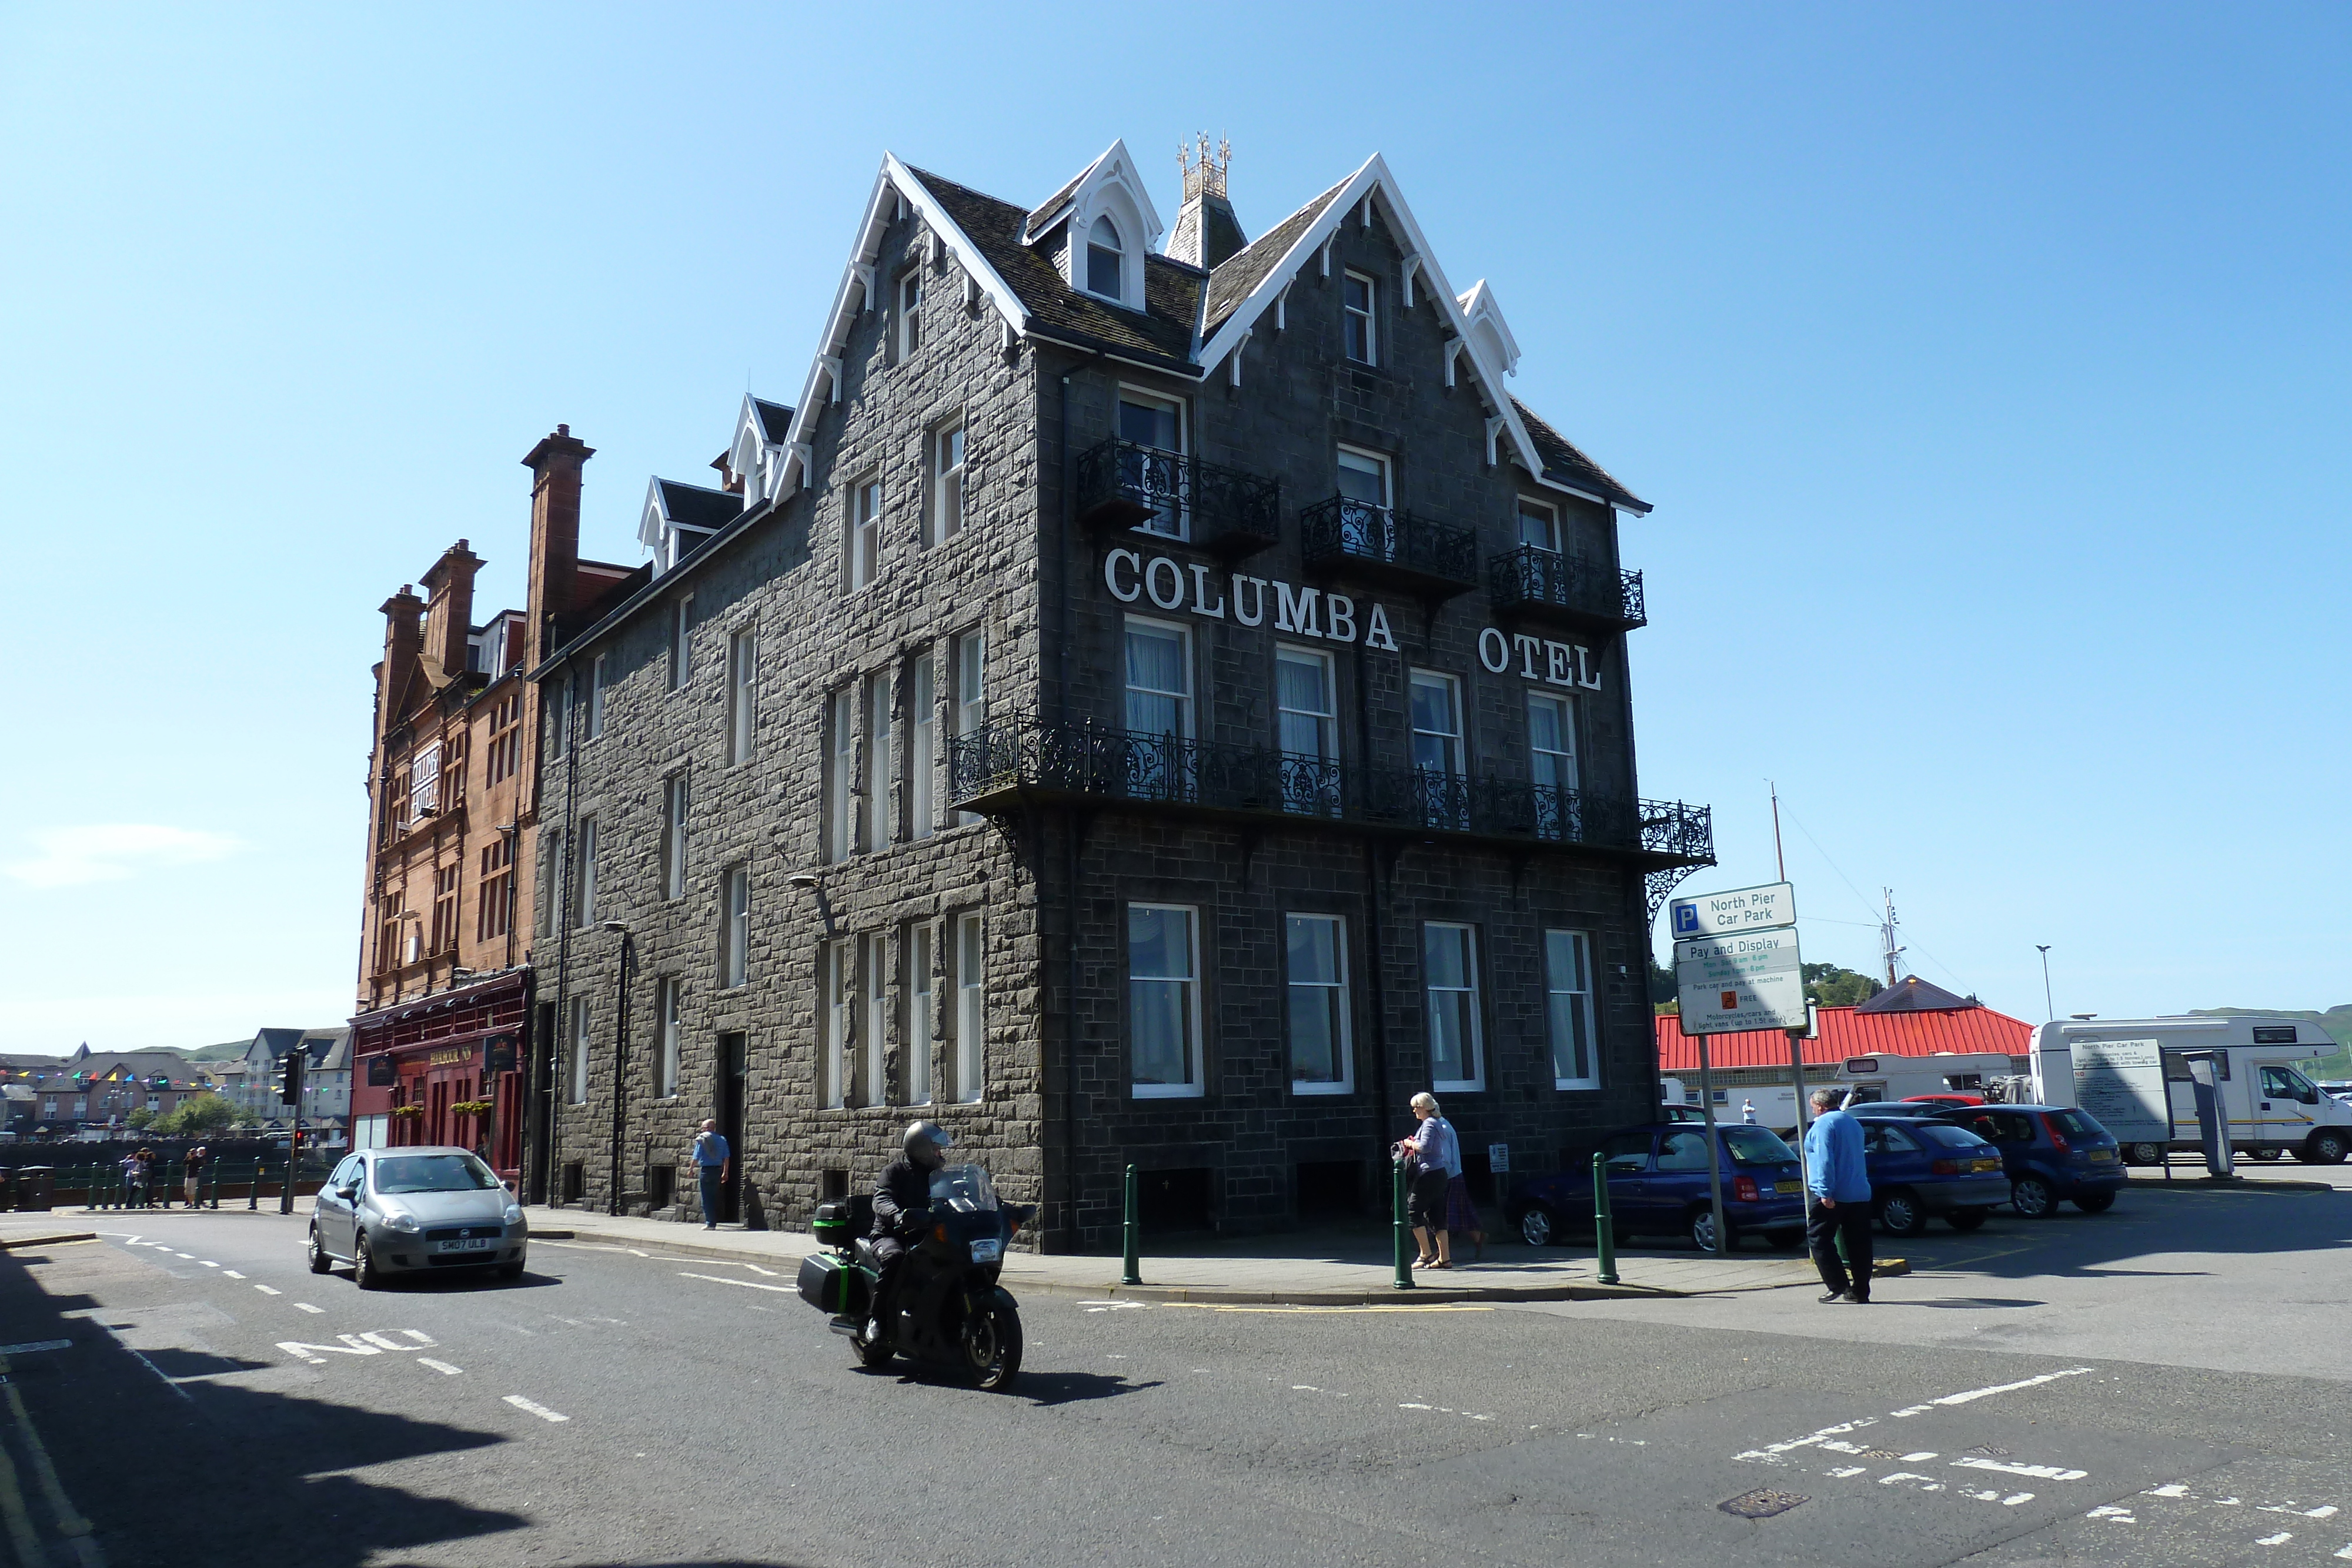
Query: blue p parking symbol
[1686, 919]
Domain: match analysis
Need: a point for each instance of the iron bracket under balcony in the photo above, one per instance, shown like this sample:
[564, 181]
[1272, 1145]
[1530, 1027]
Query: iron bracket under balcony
[1389, 545]
[1122, 484]
[1568, 590]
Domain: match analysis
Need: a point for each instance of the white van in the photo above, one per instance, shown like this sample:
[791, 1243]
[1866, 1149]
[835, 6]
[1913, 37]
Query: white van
[2129, 1074]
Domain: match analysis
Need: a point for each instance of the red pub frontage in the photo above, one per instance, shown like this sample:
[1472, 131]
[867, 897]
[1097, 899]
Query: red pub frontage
[445, 1069]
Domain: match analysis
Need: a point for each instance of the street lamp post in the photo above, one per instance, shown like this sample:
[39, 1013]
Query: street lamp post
[620, 1061]
[2049, 1007]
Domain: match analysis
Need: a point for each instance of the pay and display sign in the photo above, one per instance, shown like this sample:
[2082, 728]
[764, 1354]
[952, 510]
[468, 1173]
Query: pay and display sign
[1728, 984]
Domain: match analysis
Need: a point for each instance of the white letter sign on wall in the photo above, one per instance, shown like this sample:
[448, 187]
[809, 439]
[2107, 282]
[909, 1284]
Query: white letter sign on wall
[1494, 651]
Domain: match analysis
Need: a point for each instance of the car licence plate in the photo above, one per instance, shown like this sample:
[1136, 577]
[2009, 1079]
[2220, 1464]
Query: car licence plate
[2103, 1155]
[1987, 1164]
[1790, 1187]
[468, 1244]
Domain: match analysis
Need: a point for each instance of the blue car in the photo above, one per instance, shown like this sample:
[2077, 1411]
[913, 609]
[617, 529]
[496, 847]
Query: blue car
[1658, 1186]
[1922, 1166]
[2052, 1154]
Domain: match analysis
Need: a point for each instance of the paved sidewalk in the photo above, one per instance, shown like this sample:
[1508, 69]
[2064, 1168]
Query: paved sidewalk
[1309, 1268]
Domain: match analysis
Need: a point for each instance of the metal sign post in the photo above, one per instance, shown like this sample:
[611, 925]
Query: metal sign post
[1714, 1150]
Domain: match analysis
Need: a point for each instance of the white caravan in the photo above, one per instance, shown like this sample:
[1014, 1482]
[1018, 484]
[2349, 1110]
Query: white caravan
[1971, 1072]
[2130, 1075]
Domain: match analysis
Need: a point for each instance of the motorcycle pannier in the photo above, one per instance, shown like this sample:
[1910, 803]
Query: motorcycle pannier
[830, 1284]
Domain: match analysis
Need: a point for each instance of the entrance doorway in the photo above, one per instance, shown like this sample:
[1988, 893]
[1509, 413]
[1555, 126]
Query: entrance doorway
[733, 1070]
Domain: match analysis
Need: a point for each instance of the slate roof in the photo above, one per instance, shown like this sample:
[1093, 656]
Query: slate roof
[775, 419]
[1564, 463]
[1044, 213]
[1848, 1032]
[1914, 995]
[1162, 332]
[1238, 276]
[697, 507]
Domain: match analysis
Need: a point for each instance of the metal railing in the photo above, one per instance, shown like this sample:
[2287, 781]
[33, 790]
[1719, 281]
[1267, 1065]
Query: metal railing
[1579, 590]
[1391, 541]
[1025, 756]
[1129, 485]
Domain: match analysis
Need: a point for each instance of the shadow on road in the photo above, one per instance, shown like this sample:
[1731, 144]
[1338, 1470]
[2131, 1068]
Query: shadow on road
[188, 1476]
[1049, 1388]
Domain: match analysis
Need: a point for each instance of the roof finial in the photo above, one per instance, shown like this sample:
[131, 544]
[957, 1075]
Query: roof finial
[1206, 177]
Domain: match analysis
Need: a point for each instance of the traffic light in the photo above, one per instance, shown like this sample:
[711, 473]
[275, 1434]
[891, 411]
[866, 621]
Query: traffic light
[290, 1079]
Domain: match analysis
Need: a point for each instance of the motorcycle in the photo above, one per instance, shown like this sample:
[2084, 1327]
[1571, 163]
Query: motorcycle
[950, 1310]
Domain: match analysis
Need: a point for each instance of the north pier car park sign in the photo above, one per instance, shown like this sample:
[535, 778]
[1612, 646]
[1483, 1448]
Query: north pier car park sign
[1737, 965]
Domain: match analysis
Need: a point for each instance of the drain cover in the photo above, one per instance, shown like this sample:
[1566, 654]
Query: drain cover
[1762, 1504]
[1988, 1451]
[1878, 1454]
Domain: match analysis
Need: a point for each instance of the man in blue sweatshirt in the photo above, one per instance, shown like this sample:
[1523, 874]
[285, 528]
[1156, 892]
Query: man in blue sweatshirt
[1840, 1189]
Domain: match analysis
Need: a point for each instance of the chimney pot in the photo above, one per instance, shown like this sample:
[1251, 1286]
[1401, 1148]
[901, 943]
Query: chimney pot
[562, 429]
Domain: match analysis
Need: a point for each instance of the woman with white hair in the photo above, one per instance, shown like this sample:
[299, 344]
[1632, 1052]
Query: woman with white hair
[1438, 1154]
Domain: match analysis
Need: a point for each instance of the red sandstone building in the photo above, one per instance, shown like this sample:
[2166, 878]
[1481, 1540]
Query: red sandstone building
[443, 1031]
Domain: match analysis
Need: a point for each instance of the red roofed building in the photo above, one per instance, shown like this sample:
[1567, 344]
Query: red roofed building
[1913, 1019]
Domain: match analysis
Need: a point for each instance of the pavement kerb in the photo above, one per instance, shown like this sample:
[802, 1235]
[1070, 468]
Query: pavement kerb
[51, 1238]
[2223, 1183]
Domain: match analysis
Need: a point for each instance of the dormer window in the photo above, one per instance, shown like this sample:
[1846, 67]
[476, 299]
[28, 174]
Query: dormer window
[1105, 255]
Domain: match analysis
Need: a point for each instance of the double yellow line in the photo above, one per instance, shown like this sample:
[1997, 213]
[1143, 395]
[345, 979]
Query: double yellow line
[73, 1530]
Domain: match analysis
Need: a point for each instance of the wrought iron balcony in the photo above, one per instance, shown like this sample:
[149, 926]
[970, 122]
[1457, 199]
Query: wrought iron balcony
[1122, 484]
[1022, 761]
[1568, 590]
[1387, 544]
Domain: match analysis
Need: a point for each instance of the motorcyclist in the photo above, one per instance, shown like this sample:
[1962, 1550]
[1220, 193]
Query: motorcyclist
[902, 1200]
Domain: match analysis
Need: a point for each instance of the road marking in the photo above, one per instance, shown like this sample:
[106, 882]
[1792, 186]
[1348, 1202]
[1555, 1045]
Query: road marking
[232, 1273]
[72, 1527]
[541, 1411]
[383, 1342]
[316, 1355]
[268, 1290]
[443, 1367]
[19, 1519]
[1976, 1394]
[2281, 1538]
[770, 1273]
[2032, 1472]
[746, 1284]
[2111, 1512]
[189, 1256]
[2325, 1511]
[29, 1346]
[306, 1306]
[1324, 1312]
[210, 1264]
[423, 1339]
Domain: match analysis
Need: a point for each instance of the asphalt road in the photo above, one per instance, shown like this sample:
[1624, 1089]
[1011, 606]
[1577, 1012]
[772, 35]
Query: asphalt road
[2139, 1388]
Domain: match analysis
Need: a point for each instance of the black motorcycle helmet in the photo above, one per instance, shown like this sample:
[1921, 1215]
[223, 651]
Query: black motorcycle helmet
[924, 1143]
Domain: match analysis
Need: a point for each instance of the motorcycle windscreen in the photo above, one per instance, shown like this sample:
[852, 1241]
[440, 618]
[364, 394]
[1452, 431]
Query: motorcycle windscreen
[964, 1188]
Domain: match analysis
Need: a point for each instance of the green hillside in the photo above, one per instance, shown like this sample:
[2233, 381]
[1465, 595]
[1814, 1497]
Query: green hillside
[2337, 1020]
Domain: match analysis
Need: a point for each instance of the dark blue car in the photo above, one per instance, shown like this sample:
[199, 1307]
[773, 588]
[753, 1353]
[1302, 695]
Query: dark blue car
[1921, 1166]
[2052, 1154]
[1658, 1186]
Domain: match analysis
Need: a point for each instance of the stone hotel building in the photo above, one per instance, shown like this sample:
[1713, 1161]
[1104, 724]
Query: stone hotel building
[1143, 704]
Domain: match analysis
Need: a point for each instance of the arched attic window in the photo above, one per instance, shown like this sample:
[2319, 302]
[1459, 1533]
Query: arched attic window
[1105, 255]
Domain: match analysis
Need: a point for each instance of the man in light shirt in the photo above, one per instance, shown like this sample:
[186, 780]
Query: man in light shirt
[1840, 1180]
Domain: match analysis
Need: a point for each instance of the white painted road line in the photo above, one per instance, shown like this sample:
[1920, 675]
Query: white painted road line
[2032, 1473]
[232, 1273]
[746, 1284]
[443, 1367]
[1974, 1395]
[189, 1256]
[267, 1291]
[305, 1305]
[541, 1411]
[420, 1338]
[28, 1347]
[210, 1264]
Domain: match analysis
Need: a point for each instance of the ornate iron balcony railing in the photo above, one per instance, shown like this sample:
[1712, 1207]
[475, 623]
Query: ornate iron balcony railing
[1015, 758]
[1121, 483]
[1390, 543]
[1568, 589]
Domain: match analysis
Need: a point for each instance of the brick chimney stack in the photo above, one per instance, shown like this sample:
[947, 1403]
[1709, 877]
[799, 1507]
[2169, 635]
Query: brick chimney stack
[1206, 231]
[449, 615]
[402, 640]
[554, 465]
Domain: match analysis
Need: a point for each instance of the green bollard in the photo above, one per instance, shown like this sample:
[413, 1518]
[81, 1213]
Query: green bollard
[253, 1193]
[1132, 1271]
[1403, 1232]
[1604, 1226]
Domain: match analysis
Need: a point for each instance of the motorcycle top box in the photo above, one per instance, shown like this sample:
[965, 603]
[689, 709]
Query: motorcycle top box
[841, 1222]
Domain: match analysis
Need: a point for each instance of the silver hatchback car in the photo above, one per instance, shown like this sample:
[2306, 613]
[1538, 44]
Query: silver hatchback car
[397, 1211]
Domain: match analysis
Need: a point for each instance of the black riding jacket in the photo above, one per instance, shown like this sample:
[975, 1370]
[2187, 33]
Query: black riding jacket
[903, 1187]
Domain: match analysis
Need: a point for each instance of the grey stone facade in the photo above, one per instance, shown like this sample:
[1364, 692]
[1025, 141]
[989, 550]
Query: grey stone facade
[1051, 870]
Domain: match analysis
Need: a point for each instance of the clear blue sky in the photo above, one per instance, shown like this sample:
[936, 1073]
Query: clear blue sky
[1987, 366]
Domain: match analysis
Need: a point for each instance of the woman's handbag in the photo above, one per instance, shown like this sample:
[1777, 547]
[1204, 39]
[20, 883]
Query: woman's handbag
[1397, 1151]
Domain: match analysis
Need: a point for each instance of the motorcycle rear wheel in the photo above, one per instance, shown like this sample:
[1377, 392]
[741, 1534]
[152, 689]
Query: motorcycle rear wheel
[992, 1349]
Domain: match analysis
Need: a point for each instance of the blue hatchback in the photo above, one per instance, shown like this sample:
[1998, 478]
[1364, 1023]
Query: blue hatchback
[2052, 1155]
[1658, 1186]
[1921, 1166]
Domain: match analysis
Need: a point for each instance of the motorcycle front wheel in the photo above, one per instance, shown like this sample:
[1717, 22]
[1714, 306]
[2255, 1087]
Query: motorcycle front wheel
[991, 1348]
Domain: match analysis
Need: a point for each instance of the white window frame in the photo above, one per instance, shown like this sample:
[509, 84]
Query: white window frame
[947, 480]
[735, 926]
[915, 950]
[743, 693]
[1379, 460]
[1186, 702]
[596, 698]
[873, 709]
[1476, 1046]
[681, 643]
[970, 956]
[668, 1011]
[909, 298]
[922, 750]
[1082, 260]
[584, 875]
[676, 800]
[1369, 315]
[1529, 504]
[576, 1091]
[874, 1071]
[840, 992]
[864, 533]
[840, 774]
[1557, 995]
[1195, 1049]
[969, 652]
[1178, 518]
[1344, 1046]
[1328, 720]
[1456, 760]
[1564, 709]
